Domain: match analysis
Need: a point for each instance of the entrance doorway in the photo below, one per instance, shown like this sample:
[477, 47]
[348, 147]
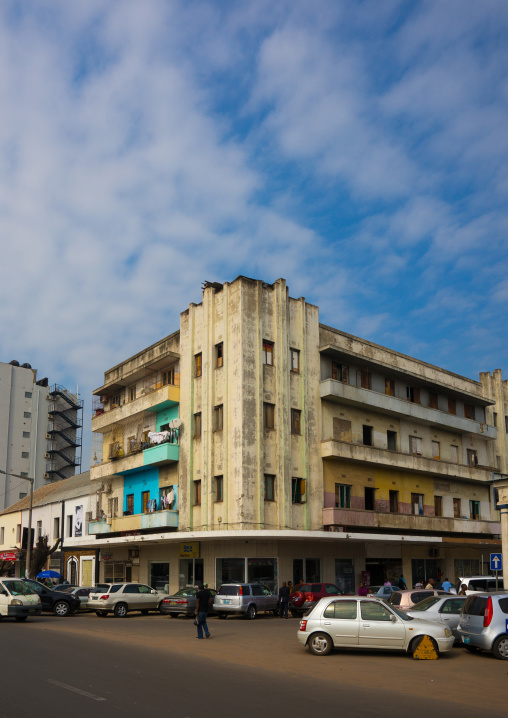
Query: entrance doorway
[191, 572]
[159, 576]
[383, 569]
[306, 570]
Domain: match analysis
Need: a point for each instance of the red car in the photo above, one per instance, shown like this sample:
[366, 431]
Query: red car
[306, 595]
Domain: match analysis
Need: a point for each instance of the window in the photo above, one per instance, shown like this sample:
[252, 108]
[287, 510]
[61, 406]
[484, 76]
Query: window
[298, 488]
[374, 611]
[70, 524]
[132, 393]
[390, 387]
[28, 394]
[267, 353]
[432, 400]
[363, 378]
[494, 418]
[296, 416]
[168, 377]
[219, 355]
[219, 417]
[269, 487]
[27, 414]
[369, 493]
[438, 505]
[295, 360]
[39, 529]
[116, 399]
[88, 518]
[197, 425]
[452, 406]
[25, 455]
[469, 412]
[113, 506]
[367, 435]
[269, 415]
[506, 424]
[436, 450]
[342, 496]
[413, 394]
[344, 609]
[394, 502]
[456, 509]
[2, 535]
[391, 440]
[198, 364]
[472, 457]
[474, 510]
[415, 446]
[129, 499]
[454, 454]
[18, 533]
[22, 494]
[26, 435]
[339, 372]
[219, 485]
[417, 504]
[197, 493]
[56, 528]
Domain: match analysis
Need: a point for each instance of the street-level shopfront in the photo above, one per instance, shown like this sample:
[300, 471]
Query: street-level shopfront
[169, 564]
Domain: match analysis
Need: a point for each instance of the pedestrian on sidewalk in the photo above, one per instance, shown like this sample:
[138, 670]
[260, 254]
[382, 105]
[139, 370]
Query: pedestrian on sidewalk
[363, 590]
[204, 602]
[283, 600]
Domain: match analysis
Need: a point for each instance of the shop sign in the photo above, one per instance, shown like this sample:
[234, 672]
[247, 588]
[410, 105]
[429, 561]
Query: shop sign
[189, 549]
[9, 556]
[106, 556]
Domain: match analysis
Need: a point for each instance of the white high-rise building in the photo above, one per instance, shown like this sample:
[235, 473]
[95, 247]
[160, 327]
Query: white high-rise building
[40, 433]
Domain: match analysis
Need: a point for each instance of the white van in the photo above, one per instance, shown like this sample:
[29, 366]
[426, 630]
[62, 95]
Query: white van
[480, 584]
[18, 600]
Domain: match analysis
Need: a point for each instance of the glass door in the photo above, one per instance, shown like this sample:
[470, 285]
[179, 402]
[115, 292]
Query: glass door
[191, 572]
[159, 576]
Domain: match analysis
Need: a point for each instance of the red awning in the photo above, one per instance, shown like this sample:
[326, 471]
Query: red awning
[8, 556]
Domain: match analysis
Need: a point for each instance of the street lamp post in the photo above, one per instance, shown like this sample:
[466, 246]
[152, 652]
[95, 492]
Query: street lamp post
[29, 539]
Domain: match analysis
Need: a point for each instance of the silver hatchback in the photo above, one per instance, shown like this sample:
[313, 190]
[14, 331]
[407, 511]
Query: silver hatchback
[483, 624]
[244, 598]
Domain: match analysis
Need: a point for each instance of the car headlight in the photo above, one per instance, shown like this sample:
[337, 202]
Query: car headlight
[447, 632]
[16, 602]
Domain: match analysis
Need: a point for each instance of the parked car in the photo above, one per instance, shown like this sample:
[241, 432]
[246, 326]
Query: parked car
[245, 598]
[358, 622]
[483, 623]
[383, 592]
[480, 584]
[55, 601]
[306, 595]
[18, 600]
[409, 598]
[443, 609]
[62, 586]
[120, 598]
[183, 601]
[82, 592]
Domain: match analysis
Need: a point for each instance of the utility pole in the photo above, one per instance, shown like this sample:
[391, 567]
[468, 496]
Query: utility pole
[29, 539]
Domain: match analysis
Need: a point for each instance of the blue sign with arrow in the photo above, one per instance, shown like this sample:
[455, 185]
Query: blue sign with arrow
[496, 561]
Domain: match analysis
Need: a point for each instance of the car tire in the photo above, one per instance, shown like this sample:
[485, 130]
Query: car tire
[61, 608]
[101, 614]
[416, 642]
[500, 648]
[120, 610]
[472, 649]
[20, 618]
[320, 644]
[222, 616]
[251, 612]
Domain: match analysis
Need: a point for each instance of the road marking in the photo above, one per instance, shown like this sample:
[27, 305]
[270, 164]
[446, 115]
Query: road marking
[75, 690]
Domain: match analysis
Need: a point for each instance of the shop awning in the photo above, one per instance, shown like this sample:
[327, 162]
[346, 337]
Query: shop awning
[9, 556]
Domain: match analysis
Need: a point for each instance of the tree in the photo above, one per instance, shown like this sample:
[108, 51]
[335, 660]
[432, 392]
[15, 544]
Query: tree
[40, 555]
[5, 567]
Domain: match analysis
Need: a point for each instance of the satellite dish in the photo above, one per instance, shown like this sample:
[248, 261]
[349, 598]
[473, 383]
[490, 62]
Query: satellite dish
[175, 423]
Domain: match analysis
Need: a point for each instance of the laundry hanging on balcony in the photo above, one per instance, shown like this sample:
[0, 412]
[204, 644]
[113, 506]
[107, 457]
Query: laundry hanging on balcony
[158, 437]
[168, 500]
[151, 506]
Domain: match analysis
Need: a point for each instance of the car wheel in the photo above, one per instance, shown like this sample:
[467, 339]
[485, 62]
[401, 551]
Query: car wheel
[500, 648]
[102, 614]
[20, 618]
[61, 608]
[222, 616]
[120, 610]
[320, 644]
[145, 612]
[251, 612]
[416, 642]
[472, 649]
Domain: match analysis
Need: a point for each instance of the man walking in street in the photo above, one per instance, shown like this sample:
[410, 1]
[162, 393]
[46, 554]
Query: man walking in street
[204, 602]
[446, 585]
[283, 600]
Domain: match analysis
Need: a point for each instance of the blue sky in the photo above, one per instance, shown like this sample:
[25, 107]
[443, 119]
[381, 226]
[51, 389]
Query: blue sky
[357, 149]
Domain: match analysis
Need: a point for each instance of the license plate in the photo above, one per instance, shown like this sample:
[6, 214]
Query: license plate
[466, 639]
[172, 603]
[225, 601]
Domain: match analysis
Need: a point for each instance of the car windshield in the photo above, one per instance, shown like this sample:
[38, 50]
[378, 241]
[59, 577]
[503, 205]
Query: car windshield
[18, 588]
[426, 603]
[401, 614]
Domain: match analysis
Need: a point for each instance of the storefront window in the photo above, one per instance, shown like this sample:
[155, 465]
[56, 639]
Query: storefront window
[191, 572]
[159, 576]
[467, 567]
[306, 570]
[229, 570]
[345, 575]
[262, 570]
[114, 572]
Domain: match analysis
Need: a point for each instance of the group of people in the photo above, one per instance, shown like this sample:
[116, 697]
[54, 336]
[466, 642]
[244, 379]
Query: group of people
[401, 584]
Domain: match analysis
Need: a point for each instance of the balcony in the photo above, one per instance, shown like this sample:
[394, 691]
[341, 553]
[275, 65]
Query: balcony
[105, 416]
[349, 518]
[161, 454]
[333, 390]
[140, 522]
[141, 455]
[101, 526]
[398, 461]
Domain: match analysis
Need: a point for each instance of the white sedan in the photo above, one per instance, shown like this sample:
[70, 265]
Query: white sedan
[349, 622]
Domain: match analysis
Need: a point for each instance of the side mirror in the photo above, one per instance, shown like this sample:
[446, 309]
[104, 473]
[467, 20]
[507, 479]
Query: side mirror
[154, 591]
[393, 618]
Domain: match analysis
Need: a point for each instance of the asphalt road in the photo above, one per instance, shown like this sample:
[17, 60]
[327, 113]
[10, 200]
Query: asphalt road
[153, 665]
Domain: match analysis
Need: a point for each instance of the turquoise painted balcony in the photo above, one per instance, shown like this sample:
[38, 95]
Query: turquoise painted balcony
[160, 519]
[161, 454]
[99, 527]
